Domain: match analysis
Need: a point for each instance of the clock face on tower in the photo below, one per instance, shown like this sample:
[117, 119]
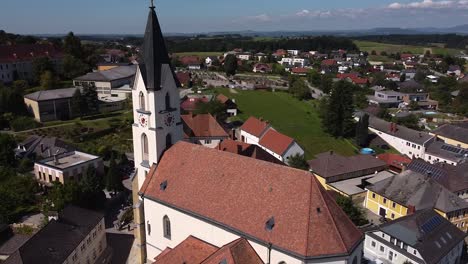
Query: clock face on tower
[143, 120]
[169, 119]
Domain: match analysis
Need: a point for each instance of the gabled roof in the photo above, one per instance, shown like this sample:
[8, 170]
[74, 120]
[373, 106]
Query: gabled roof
[190, 251]
[276, 142]
[117, 73]
[255, 126]
[330, 164]
[401, 131]
[457, 133]
[28, 52]
[51, 94]
[247, 150]
[241, 194]
[428, 232]
[410, 188]
[238, 251]
[394, 160]
[202, 125]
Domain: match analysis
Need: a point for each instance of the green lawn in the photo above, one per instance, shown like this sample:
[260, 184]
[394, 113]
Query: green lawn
[369, 46]
[199, 54]
[292, 117]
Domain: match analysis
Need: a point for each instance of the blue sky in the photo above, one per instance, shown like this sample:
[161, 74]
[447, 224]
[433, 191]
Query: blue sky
[128, 16]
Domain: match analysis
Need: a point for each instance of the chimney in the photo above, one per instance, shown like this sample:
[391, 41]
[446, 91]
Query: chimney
[56, 159]
[411, 209]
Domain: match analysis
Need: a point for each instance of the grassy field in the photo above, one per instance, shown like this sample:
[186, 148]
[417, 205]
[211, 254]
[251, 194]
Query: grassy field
[199, 54]
[369, 46]
[294, 118]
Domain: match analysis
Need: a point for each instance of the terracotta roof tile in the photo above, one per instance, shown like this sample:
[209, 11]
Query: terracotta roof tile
[222, 98]
[190, 104]
[394, 160]
[27, 52]
[308, 222]
[247, 150]
[255, 126]
[237, 252]
[276, 142]
[203, 125]
[300, 70]
[190, 251]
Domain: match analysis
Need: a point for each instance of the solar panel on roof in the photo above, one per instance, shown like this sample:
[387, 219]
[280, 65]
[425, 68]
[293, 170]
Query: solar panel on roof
[431, 224]
[427, 169]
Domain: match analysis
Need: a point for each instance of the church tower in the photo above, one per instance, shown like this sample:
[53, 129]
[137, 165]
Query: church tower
[157, 123]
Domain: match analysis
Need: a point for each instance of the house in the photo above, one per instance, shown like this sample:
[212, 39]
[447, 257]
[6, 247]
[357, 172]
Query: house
[16, 61]
[66, 167]
[262, 67]
[253, 129]
[423, 237]
[329, 64]
[280, 53]
[395, 162]
[185, 79]
[386, 98]
[422, 99]
[104, 66]
[196, 251]
[260, 56]
[454, 70]
[330, 168]
[210, 60]
[77, 236]
[203, 129]
[291, 219]
[39, 147]
[248, 150]
[279, 145]
[300, 71]
[230, 104]
[432, 78]
[407, 141]
[294, 62]
[116, 82]
[407, 56]
[409, 192]
[409, 64]
[409, 74]
[51, 105]
[454, 178]
[293, 52]
[191, 62]
[439, 152]
[244, 56]
[453, 134]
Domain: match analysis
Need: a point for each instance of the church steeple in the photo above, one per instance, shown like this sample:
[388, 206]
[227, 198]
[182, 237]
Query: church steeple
[154, 52]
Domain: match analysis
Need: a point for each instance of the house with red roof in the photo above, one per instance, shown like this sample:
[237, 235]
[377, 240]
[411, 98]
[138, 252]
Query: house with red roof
[262, 68]
[203, 129]
[300, 71]
[191, 62]
[190, 103]
[224, 199]
[261, 133]
[248, 150]
[230, 104]
[185, 79]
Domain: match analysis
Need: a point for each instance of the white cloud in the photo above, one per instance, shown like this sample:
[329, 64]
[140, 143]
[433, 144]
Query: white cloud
[304, 12]
[430, 4]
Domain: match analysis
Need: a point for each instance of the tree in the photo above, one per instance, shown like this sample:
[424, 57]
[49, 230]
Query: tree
[77, 103]
[91, 188]
[90, 101]
[48, 81]
[413, 105]
[300, 90]
[298, 161]
[326, 83]
[41, 65]
[403, 77]
[352, 211]
[7, 145]
[362, 131]
[230, 64]
[460, 104]
[20, 85]
[17, 194]
[213, 107]
[373, 52]
[113, 179]
[72, 45]
[73, 67]
[338, 116]
[420, 75]
[314, 78]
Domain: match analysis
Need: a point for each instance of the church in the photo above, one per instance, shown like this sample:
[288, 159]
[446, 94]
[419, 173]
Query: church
[193, 204]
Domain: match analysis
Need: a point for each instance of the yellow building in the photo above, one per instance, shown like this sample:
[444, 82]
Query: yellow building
[453, 134]
[410, 191]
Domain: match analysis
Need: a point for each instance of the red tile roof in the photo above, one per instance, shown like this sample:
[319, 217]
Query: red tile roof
[190, 60]
[394, 160]
[242, 194]
[27, 52]
[190, 251]
[247, 150]
[184, 77]
[262, 67]
[329, 62]
[347, 75]
[255, 126]
[203, 125]
[222, 98]
[359, 80]
[237, 252]
[300, 70]
[190, 104]
[276, 142]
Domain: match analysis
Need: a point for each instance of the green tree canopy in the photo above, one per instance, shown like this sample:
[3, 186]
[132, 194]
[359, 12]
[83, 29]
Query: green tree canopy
[73, 67]
[213, 107]
[352, 211]
[230, 64]
[72, 45]
[7, 145]
[338, 116]
[298, 161]
[300, 90]
[49, 81]
[113, 179]
[40, 66]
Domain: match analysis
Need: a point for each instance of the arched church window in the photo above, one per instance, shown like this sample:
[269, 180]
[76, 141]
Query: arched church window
[168, 101]
[168, 141]
[167, 227]
[144, 145]
[142, 101]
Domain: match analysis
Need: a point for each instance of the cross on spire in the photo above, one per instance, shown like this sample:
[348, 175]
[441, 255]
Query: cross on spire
[152, 4]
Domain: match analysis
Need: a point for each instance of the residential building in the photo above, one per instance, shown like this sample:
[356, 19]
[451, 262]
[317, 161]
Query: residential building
[454, 70]
[244, 56]
[185, 79]
[409, 74]
[253, 129]
[115, 82]
[423, 237]
[230, 104]
[293, 52]
[248, 150]
[386, 98]
[300, 71]
[440, 152]
[262, 68]
[454, 178]
[190, 103]
[191, 62]
[210, 60]
[16, 61]
[220, 210]
[395, 162]
[203, 129]
[422, 100]
[51, 105]
[77, 236]
[407, 141]
[260, 56]
[104, 66]
[294, 62]
[66, 167]
[196, 251]
[330, 168]
[39, 147]
[280, 53]
[410, 191]
[453, 134]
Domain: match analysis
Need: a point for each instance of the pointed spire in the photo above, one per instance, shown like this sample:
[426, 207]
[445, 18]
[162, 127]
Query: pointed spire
[154, 52]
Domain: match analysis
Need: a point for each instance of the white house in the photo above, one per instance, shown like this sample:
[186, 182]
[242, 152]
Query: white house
[294, 52]
[284, 213]
[253, 129]
[423, 237]
[244, 56]
[296, 62]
